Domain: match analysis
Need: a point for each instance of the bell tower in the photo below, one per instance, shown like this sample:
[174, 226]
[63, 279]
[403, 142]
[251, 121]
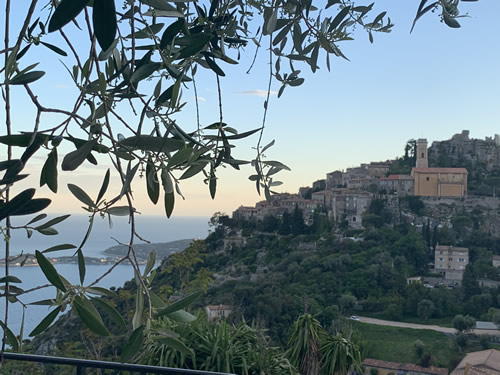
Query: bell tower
[422, 161]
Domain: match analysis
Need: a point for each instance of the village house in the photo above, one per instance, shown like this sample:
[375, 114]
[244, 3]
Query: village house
[319, 185]
[414, 280]
[333, 180]
[400, 184]
[397, 368]
[349, 205]
[496, 261]
[437, 182]
[451, 261]
[218, 311]
[377, 169]
[279, 204]
[245, 212]
[322, 198]
[484, 362]
[354, 173]
[362, 183]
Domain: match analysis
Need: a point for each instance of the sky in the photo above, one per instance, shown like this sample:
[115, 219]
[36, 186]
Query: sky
[432, 83]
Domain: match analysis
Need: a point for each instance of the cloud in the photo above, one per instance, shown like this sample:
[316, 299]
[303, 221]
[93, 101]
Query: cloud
[261, 93]
[202, 99]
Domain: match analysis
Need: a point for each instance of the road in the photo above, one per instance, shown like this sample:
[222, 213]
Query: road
[446, 330]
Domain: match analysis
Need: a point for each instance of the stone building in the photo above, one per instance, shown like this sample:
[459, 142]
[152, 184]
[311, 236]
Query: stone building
[400, 184]
[451, 261]
[215, 312]
[349, 205]
[322, 198]
[245, 212]
[496, 261]
[355, 173]
[333, 180]
[437, 182]
[378, 169]
[319, 185]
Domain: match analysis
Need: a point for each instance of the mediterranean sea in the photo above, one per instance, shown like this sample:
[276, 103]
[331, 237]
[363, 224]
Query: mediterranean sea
[152, 228]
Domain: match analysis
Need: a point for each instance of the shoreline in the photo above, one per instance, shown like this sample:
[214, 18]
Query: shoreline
[29, 260]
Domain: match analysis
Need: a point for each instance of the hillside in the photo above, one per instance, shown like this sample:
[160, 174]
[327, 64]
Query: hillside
[162, 249]
[271, 269]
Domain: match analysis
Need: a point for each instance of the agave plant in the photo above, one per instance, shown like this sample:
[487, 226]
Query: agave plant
[339, 356]
[315, 352]
[214, 346]
[304, 344]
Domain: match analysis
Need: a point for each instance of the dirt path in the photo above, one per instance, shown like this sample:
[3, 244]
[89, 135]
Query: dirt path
[493, 332]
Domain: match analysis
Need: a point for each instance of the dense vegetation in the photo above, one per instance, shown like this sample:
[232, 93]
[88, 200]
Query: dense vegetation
[274, 270]
[334, 272]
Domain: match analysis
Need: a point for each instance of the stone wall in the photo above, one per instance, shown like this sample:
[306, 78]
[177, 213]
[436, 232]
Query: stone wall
[440, 211]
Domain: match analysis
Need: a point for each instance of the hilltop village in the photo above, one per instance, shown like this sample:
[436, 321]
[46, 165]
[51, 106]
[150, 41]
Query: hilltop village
[345, 198]
[345, 195]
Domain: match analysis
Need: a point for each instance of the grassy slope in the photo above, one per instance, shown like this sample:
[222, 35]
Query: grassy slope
[443, 322]
[396, 344]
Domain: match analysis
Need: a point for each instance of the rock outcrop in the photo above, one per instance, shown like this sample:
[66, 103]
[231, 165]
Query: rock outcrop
[462, 151]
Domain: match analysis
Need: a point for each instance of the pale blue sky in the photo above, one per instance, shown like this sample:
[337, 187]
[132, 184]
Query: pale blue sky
[432, 83]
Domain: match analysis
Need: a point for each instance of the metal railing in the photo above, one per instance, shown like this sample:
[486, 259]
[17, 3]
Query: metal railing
[81, 365]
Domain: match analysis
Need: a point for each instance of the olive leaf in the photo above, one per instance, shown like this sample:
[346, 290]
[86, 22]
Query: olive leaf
[133, 345]
[75, 158]
[49, 271]
[46, 322]
[66, 11]
[89, 315]
[104, 22]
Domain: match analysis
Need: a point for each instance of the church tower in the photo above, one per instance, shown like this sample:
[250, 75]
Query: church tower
[422, 161]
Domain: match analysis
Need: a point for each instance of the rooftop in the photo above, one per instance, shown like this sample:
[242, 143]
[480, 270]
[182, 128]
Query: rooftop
[440, 170]
[405, 367]
[397, 177]
[484, 361]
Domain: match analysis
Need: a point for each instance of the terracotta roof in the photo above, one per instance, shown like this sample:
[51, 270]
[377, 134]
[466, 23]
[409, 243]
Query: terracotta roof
[440, 170]
[485, 361]
[481, 371]
[405, 367]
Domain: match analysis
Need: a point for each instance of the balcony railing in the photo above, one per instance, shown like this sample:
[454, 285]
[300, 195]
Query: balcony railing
[81, 365]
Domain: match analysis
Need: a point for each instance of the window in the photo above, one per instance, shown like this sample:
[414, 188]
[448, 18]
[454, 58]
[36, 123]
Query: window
[354, 218]
[450, 259]
[427, 178]
[423, 155]
[441, 259]
[461, 260]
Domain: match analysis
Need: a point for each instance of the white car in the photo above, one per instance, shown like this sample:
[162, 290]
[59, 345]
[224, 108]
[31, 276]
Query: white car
[354, 317]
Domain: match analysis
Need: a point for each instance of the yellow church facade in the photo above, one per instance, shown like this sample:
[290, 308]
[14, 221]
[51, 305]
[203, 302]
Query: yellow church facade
[437, 182]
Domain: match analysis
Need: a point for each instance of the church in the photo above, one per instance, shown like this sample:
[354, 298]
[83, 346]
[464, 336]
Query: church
[437, 182]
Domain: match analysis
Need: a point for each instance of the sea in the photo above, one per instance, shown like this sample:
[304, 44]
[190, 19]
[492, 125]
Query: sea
[152, 228]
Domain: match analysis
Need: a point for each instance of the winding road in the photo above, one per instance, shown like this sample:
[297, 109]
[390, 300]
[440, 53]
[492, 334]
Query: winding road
[446, 330]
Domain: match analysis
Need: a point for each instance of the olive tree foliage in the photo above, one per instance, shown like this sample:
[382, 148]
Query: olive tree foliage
[131, 63]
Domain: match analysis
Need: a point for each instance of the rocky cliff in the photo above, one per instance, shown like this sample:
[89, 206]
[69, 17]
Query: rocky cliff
[462, 151]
